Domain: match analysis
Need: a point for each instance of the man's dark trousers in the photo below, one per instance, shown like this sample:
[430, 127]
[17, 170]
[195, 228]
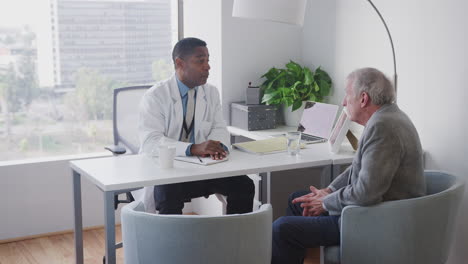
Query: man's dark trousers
[239, 192]
[294, 233]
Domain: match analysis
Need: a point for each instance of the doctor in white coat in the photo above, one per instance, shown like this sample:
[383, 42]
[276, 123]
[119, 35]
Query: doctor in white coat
[165, 111]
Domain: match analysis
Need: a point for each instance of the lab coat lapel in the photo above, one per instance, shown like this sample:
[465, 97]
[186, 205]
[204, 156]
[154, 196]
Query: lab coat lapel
[200, 108]
[175, 123]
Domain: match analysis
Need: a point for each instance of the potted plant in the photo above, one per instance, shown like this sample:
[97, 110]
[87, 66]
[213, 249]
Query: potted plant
[292, 87]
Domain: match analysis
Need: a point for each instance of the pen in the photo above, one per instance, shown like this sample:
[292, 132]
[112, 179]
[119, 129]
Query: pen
[201, 161]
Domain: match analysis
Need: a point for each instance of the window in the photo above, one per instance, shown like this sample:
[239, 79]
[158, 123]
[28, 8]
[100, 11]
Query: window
[60, 61]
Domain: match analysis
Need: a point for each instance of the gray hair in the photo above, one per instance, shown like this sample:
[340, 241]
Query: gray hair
[374, 83]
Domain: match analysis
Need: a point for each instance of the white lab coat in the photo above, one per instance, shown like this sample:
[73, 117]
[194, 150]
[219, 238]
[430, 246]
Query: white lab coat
[161, 115]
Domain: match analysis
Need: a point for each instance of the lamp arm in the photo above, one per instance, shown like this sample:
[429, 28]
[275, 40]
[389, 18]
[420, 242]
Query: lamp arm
[395, 78]
[180, 19]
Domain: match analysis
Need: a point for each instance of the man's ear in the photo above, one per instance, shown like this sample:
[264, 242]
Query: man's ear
[179, 63]
[364, 100]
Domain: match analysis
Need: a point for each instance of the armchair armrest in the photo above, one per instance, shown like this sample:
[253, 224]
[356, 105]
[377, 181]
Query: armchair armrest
[116, 150]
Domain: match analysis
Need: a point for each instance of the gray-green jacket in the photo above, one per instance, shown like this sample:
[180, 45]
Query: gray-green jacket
[388, 164]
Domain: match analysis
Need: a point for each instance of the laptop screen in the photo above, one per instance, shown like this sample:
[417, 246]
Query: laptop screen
[317, 119]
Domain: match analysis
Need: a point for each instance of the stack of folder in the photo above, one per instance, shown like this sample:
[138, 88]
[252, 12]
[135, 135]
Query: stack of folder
[265, 146]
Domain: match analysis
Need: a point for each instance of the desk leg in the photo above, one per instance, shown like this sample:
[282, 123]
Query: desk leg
[326, 176]
[265, 187]
[109, 219]
[78, 219]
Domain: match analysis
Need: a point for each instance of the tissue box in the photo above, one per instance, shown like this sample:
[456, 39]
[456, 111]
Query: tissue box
[253, 117]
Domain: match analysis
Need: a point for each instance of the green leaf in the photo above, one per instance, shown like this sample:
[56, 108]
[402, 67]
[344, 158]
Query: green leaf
[322, 75]
[297, 105]
[269, 86]
[324, 88]
[296, 84]
[271, 74]
[316, 87]
[272, 82]
[294, 68]
[281, 82]
[312, 98]
[268, 96]
[308, 77]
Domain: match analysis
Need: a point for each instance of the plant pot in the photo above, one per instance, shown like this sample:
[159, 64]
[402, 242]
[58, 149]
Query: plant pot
[293, 118]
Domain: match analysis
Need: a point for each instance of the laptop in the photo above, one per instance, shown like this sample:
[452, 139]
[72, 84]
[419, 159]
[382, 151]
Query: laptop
[317, 122]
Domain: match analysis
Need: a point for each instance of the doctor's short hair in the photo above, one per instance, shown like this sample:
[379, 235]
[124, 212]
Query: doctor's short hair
[185, 47]
[374, 83]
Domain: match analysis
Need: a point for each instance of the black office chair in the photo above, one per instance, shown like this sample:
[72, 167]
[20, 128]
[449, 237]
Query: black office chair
[125, 129]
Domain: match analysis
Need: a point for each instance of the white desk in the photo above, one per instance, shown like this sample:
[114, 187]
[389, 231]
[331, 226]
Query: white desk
[115, 175]
[344, 156]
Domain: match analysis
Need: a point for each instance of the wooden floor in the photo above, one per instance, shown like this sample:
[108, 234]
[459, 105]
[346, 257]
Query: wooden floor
[313, 256]
[59, 249]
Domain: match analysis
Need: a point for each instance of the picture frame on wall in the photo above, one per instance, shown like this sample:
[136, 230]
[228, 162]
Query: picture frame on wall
[339, 132]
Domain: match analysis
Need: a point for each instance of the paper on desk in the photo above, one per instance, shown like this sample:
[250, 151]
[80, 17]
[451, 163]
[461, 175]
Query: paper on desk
[204, 160]
[265, 146]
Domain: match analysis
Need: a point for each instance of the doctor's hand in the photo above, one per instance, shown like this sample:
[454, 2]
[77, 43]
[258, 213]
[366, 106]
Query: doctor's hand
[312, 203]
[210, 147]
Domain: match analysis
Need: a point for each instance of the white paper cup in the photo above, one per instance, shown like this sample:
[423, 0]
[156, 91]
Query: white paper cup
[166, 156]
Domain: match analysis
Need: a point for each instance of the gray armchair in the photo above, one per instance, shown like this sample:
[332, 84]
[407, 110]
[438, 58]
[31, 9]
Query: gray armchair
[181, 239]
[411, 231]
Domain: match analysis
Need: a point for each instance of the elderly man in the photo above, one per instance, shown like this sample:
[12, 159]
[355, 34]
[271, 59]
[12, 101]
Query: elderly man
[387, 166]
[187, 110]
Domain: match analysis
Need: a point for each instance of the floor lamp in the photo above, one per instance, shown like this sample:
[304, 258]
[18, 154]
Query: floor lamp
[291, 12]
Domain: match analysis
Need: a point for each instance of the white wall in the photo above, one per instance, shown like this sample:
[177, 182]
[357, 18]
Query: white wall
[430, 38]
[202, 19]
[37, 198]
[250, 48]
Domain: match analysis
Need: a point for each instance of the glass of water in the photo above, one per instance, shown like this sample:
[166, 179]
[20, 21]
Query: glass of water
[294, 142]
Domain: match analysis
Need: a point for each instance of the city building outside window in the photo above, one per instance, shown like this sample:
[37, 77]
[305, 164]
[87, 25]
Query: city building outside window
[60, 61]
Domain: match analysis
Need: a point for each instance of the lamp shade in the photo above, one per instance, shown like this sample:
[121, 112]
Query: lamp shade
[284, 11]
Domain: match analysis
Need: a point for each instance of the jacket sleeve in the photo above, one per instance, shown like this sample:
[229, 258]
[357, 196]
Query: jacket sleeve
[152, 126]
[341, 180]
[218, 130]
[380, 159]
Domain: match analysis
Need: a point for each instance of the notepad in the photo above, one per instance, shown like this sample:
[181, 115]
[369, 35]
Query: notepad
[270, 145]
[204, 160]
